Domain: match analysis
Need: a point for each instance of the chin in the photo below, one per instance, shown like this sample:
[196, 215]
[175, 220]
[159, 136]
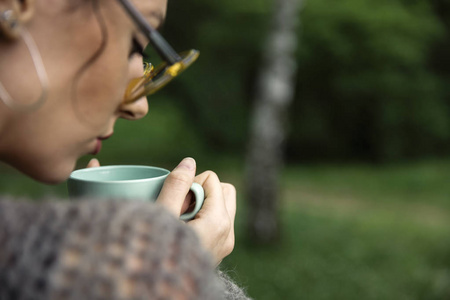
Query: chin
[51, 179]
[48, 173]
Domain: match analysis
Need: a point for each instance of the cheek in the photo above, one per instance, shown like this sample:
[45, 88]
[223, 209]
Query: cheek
[136, 67]
[99, 87]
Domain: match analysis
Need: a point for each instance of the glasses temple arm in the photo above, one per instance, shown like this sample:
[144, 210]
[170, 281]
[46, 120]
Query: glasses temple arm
[163, 48]
[158, 42]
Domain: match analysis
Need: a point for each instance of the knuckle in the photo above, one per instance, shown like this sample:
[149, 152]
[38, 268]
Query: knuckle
[179, 178]
[211, 174]
[228, 189]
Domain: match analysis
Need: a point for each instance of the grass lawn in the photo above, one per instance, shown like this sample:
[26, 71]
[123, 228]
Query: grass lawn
[348, 232]
[354, 232]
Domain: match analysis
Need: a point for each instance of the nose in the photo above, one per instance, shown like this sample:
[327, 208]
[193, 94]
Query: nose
[139, 108]
[135, 110]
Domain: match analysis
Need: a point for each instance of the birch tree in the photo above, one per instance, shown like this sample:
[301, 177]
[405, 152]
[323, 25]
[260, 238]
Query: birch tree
[275, 92]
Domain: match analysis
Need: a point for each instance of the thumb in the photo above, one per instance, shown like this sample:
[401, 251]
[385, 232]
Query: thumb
[93, 163]
[177, 186]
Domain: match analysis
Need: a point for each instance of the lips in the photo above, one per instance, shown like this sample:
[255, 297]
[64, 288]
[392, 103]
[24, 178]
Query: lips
[98, 145]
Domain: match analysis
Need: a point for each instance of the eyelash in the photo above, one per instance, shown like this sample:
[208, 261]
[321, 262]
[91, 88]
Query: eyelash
[136, 48]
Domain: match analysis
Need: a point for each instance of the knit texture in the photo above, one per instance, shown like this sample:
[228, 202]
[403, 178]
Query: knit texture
[232, 290]
[101, 250]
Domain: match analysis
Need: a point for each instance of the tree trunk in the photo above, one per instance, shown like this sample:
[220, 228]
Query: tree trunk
[275, 92]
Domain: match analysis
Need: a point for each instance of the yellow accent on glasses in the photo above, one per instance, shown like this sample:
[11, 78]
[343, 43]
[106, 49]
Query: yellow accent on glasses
[155, 78]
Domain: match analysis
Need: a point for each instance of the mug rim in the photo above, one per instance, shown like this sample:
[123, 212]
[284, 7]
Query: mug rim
[74, 174]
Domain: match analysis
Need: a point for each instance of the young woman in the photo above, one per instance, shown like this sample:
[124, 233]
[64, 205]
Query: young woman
[68, 70]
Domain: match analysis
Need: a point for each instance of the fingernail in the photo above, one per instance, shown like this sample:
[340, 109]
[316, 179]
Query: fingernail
[93, 163]
[187, 163]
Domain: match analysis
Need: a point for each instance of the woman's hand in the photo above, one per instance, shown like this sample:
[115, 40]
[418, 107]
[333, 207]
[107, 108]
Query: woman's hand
[214, 223]
[93, 163]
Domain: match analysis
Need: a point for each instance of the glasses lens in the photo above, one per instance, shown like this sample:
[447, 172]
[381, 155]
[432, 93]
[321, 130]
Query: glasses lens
[156, 78]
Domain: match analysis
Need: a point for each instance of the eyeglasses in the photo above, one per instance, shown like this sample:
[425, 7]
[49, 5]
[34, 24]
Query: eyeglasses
[155, 78]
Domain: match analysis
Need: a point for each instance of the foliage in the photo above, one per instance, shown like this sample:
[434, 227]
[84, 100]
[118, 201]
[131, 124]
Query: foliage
[371, 81]
[214, 91]
[365, 88]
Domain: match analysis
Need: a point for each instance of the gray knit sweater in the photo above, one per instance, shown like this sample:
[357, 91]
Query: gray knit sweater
[103, 250]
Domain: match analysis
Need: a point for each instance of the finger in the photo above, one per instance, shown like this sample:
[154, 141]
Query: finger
[213, 190]
[229, 193]
[218, 213]
[177, 186]
[93, 163]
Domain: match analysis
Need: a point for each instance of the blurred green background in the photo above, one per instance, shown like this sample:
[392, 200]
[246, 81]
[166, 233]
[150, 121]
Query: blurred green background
[365, 202]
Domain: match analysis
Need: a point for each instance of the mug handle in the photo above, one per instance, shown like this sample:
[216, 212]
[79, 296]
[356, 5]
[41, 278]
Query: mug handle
[199, 195]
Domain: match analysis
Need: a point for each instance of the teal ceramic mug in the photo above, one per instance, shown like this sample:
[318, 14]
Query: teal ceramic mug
[126, 182]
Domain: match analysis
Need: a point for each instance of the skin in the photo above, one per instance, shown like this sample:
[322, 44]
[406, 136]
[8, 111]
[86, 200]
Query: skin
[46, 143]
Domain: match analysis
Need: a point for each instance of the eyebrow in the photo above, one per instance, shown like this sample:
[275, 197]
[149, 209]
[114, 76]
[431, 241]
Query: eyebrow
[158, 42]
[155, 15]
[139, 19]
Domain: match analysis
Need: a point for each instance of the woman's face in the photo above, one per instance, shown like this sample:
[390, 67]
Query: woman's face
[83, 104]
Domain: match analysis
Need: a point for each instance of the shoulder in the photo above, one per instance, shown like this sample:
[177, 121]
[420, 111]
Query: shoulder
[93, 244]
